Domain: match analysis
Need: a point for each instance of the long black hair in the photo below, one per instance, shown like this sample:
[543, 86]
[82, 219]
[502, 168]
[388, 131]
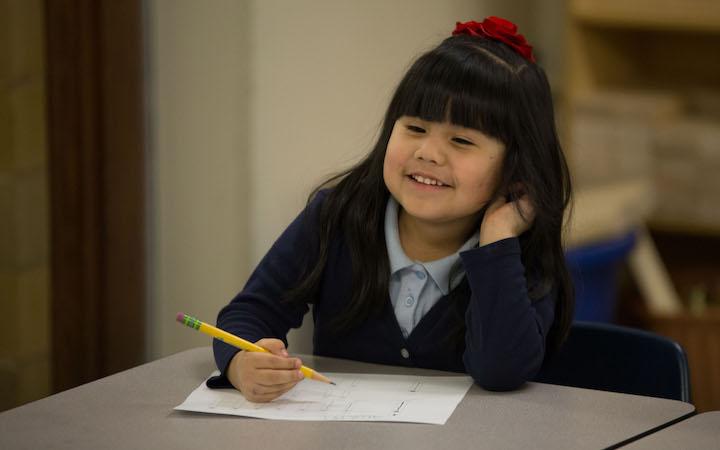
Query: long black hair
[474, 83]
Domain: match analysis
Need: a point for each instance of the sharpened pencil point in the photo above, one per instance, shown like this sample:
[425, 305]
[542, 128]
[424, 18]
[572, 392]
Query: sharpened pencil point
[333, 383]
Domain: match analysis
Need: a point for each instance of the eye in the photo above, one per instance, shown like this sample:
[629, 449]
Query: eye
[462, 141]
[415, 129]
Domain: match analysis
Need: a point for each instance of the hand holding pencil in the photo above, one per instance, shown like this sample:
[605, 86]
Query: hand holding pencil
[263, 371]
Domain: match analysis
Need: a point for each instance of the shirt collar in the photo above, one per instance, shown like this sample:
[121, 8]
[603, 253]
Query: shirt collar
[398, 258]
[439, 269]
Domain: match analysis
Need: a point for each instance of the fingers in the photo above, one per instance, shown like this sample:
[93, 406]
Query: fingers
[274, 346]
[495, 205]
[267, 361]
[272, 389]
[505, 219]
[527, 210]
[270, 384]
[519, 197]
[262, 377]
[271, 377]
[275, 388]
[259, 396]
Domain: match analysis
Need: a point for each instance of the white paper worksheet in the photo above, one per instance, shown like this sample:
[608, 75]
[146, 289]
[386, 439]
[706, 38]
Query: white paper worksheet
[359, 397]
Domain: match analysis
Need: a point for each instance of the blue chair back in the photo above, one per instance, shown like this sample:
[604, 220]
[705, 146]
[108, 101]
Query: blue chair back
[619, 359]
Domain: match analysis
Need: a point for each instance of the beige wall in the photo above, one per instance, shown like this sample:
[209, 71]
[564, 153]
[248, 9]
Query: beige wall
[198, 62]
[319, 94]
[253, 103]
[543, 22]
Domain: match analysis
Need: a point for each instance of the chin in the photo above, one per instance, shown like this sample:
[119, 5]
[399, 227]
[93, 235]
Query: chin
[426, 214]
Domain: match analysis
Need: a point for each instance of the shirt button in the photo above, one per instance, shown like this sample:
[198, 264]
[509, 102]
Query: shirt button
[405, 353]
[420, 275]
[409, 301]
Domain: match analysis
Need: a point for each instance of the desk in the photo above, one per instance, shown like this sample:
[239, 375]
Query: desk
[133, 409]
[697, 432]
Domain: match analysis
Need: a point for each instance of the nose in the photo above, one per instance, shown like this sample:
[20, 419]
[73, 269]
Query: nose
[431, 150]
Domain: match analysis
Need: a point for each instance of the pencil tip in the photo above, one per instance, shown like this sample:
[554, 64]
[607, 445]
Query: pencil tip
[333, 383]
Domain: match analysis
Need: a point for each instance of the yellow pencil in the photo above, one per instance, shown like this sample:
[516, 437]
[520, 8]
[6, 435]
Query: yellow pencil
[240, 343]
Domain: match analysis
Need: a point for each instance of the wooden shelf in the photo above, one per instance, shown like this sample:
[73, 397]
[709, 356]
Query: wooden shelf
[699, 335]
[694, 15]
[644, 46]
[667, 46]
[685, 227]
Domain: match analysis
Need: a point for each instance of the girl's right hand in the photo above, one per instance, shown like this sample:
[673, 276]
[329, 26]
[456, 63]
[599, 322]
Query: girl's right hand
[262, 377]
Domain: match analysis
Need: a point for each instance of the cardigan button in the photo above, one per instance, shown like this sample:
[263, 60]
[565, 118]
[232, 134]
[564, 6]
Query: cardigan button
[405, 353]
[409, 301]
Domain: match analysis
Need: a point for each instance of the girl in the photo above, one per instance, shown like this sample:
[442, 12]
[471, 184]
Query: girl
[442, 248]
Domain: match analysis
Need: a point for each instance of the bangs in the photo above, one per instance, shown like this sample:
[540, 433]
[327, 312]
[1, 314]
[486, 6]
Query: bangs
[463, 85]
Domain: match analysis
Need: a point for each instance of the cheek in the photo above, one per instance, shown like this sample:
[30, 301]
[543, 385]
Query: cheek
[386, 171]
[483, 178]
[393, 160]
[490, 177]
[495, 172]
[389, 167]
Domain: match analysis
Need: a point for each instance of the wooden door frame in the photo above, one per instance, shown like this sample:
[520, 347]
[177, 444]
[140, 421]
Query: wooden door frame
[96, 142]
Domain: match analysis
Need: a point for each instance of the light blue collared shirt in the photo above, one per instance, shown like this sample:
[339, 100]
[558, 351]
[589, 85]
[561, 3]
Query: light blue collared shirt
[416, 286]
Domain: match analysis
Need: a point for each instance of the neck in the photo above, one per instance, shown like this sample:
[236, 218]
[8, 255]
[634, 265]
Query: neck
[425, 241]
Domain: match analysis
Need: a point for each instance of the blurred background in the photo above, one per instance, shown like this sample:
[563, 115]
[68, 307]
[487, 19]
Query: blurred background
[152, 150]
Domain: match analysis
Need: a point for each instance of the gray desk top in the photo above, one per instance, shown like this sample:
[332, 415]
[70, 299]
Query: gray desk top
[134, 409]
[697, 432]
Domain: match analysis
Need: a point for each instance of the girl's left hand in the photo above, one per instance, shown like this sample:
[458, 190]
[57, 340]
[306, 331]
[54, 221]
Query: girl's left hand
[502, 219]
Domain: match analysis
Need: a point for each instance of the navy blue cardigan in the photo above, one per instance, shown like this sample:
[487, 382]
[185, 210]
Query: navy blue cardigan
[505, 332]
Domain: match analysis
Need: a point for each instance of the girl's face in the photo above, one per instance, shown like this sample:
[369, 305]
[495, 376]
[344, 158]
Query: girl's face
[441, 173]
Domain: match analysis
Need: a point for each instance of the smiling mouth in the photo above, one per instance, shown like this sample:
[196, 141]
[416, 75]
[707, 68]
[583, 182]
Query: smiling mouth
[427, 181]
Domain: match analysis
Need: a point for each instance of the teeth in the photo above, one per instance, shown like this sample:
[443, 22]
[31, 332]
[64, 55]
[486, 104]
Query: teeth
[428, 181]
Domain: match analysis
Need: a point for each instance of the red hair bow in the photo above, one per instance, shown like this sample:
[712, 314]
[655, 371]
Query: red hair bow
[498, 29]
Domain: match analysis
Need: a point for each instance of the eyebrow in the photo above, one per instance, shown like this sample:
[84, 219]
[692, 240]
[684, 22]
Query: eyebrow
[460, 128]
